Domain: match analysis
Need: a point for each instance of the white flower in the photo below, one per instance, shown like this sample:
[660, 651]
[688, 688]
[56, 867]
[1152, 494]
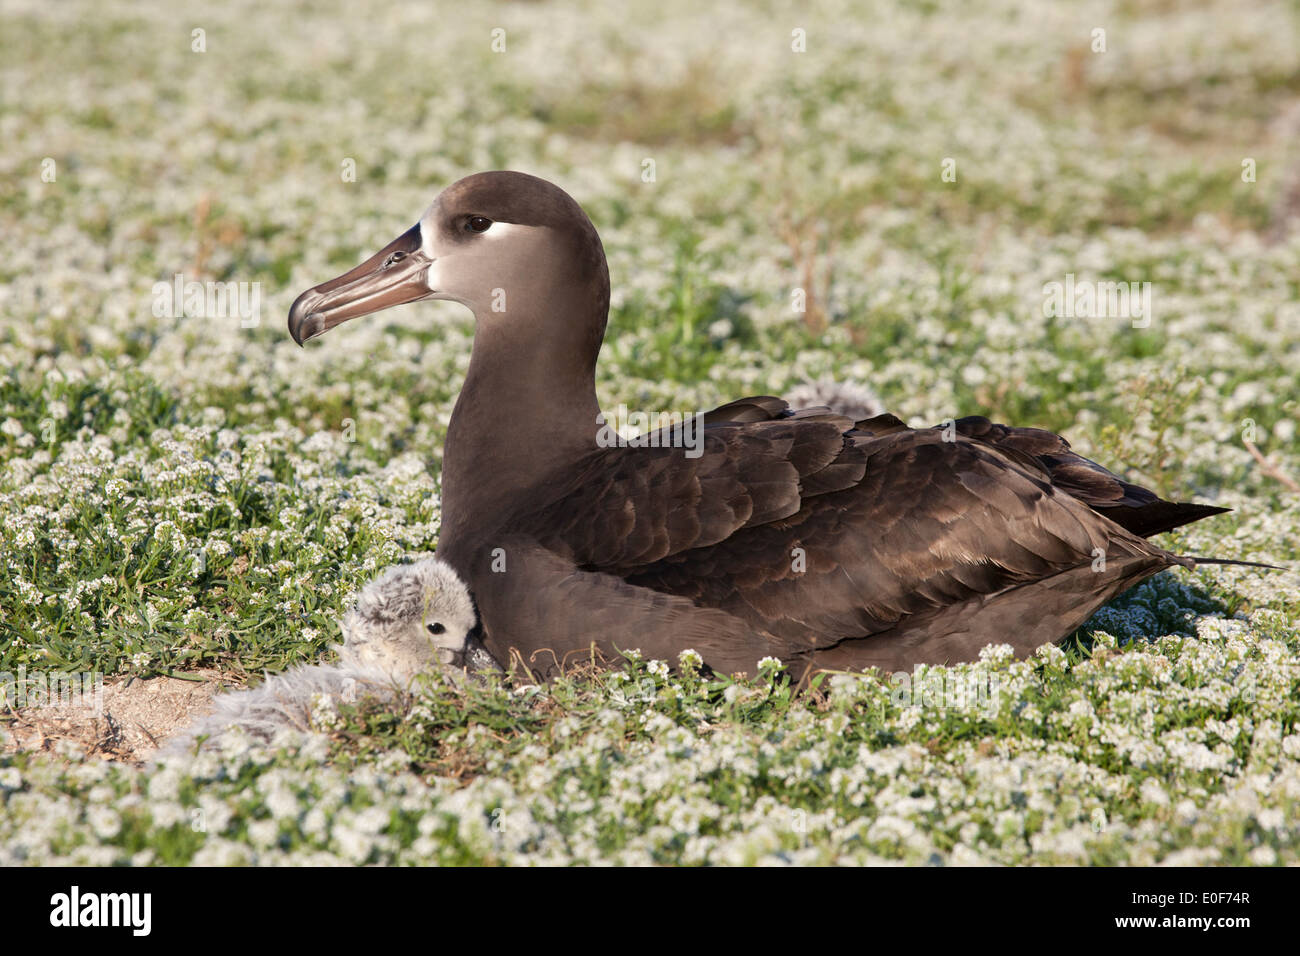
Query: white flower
[104, 821]
[325, 715]
[1271, 819]
[1263, 856]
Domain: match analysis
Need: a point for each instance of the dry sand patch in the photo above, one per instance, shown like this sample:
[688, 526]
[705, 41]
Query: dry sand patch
[136, 717]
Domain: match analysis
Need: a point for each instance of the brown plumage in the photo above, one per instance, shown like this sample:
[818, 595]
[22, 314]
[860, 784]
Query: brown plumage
[797, 534]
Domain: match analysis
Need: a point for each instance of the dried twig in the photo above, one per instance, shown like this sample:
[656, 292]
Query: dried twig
[1270, 469]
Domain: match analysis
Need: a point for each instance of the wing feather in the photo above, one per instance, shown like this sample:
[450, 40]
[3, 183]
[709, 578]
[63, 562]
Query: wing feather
[810, 530]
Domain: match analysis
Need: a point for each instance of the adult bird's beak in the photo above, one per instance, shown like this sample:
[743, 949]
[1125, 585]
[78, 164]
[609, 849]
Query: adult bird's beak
[395, 274]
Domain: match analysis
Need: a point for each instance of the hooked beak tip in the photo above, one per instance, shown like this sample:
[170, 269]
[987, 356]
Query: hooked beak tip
[310, 327]
[304, 323]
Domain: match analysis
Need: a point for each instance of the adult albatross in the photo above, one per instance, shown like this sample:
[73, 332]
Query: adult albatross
[796, 534]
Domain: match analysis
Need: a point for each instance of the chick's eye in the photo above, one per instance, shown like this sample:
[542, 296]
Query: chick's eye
[436, 628]
[395, 257]
[478, 223]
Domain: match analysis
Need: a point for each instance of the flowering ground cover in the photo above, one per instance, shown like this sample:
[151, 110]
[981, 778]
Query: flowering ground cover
[183, 489]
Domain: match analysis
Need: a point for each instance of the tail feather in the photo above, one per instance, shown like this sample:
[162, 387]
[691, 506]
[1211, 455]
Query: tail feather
[1156, 516]
[1231, 561]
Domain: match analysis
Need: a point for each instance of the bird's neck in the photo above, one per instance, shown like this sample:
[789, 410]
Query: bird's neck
[528, 407]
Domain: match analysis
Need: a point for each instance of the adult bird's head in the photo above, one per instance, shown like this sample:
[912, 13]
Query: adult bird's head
[513, 248]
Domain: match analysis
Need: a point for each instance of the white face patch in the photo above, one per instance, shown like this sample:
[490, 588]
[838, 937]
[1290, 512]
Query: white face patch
[429, 232]
[467, 270]
[495, 231]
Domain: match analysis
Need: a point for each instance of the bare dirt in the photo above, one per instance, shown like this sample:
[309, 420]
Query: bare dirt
[135, 718]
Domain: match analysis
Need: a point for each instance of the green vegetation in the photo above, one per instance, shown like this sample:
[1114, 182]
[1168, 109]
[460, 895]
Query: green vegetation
[185, 493]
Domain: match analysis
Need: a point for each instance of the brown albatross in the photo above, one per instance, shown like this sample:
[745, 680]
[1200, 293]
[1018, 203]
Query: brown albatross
[797, 534]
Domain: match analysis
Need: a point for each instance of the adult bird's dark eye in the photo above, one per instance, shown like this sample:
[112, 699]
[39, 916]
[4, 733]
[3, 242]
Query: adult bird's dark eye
[436, 628]
[478, 224]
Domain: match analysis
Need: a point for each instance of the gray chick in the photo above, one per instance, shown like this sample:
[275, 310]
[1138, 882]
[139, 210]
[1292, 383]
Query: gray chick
[413, 619]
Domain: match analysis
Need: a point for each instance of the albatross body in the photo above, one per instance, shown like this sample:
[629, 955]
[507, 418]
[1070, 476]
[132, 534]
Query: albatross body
[796, 534]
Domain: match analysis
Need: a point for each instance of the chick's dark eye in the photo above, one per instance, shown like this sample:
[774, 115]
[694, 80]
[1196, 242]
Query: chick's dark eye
[478, 223]
[436, 628]
[395, 257]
